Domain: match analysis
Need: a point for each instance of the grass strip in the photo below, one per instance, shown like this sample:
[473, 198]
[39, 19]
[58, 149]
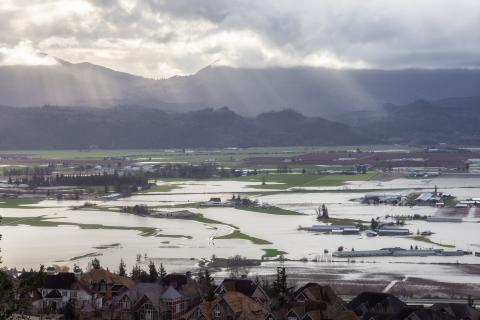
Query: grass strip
[272, 253]
[271, 210]
[173, 236]
[88, 255]
[288, 180]
[427, 240]
[19, 203]
[43, 221]
[201, 218]
[107, 246]
[238, 235]
[161, 188]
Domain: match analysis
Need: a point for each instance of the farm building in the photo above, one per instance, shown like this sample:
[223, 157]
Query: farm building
[380, 197]
[443, 219]
[392, 231]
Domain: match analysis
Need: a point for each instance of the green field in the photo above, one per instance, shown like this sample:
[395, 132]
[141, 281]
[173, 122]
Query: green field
[203, 219]
[272, 253]
[428, 240]
[19, 203]
[43, 221]
[271, 210]
[238, 235]
[283, 181]
[167, 187]
[107, 246]
[87, 255]
[228, 157]
[173, 236]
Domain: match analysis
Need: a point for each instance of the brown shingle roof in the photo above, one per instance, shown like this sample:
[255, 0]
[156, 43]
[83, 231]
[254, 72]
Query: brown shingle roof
[245, 286]
[98, 275]
[242, 306]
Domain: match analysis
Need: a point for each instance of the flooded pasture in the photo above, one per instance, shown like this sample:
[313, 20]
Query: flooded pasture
[78, 235]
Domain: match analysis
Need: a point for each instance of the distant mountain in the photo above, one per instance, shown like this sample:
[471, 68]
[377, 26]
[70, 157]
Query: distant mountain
[454, 120]
[311, 91]
[136, 127]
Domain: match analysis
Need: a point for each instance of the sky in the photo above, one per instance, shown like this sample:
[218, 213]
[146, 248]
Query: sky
[161, 38]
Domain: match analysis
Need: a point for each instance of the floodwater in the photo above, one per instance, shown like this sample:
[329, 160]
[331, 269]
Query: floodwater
[30, 246]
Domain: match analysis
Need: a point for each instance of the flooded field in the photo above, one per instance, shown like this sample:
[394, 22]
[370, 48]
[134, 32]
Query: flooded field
[50, 232]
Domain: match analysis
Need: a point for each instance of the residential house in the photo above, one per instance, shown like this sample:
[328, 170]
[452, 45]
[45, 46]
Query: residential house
[230, 305]
[316, 311]
[60, 289]
[167, 300]
[419, 313]
[459, 311]
[245, 286]
[314, 301]
[184, 284]
[376, 302]
[105, 283]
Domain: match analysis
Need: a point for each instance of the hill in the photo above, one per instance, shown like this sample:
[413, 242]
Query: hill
[311, 91]
[453, 120]
[133, 127]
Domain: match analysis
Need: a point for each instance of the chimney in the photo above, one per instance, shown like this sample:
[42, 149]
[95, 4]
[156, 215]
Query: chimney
[77, 271]
[51, 271]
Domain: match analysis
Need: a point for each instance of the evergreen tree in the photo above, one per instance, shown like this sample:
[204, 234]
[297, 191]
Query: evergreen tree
[25, 288]
[96, 264]
[280, 288]
[122, 269]
[162, 272]
[210, 286]
[325, 212]
[152, 272]
[138, 274]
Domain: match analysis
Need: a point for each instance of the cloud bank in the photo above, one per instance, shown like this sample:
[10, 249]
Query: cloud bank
[161, 38]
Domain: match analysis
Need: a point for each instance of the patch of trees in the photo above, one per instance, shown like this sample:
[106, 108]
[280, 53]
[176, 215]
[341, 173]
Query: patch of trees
[83, 180]
[201, 171]
[27, 171]
[231, 262]
[138, 209]
[152, 275]
[238, 201]
[16, 294]
[279, 291]
[322, 213]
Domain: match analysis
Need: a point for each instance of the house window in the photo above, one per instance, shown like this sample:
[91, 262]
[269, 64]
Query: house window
[216, 312]
[73, 294]
[125, 303]
[64, 293]
[301, 298]
[197, 314]
[148, 311]
[103, 286]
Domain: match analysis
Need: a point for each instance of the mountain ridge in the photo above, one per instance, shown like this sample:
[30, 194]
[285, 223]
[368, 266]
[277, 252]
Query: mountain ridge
[52, 127]
[322, 92]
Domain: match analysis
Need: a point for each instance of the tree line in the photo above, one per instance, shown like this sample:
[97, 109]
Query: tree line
[104, 179]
